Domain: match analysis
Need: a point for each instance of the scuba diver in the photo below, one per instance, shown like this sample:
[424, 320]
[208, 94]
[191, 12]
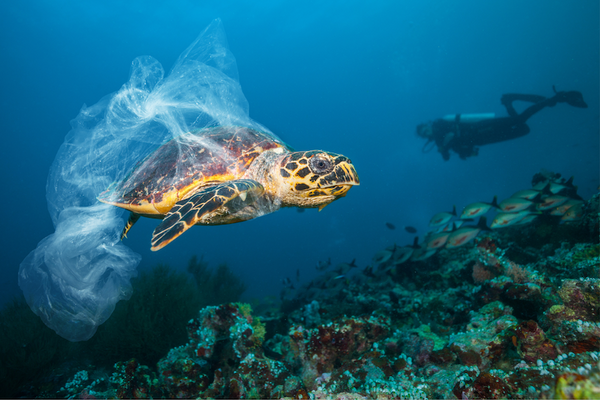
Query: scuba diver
[462, 133]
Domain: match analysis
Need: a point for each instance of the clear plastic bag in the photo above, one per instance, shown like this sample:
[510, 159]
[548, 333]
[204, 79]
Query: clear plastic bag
[75, 276]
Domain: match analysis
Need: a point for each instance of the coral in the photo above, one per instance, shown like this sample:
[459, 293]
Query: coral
[129, 380]
[532, 343]
[578, 261]
[517, 273]
[571, 385]
[329, 345]
[590, 252]
[506, 316]
[134, 381]
[583, 297]
[311, 314]
[224, 358]
[483, 386]
[481, 273]
[485, 336]
[264, 378]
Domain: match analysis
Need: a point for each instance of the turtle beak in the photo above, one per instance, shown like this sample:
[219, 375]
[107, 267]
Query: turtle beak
[344, 174]
[339, 181]
[350, 171]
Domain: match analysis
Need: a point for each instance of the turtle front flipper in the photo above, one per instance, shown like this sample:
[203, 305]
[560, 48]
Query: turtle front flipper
[199, 208]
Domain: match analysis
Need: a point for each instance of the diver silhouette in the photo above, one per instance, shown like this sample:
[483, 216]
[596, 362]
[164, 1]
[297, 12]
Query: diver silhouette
[462, 133]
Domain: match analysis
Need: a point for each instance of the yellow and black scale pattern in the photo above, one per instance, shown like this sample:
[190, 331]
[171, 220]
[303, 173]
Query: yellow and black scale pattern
[296, 164]
[184, 216]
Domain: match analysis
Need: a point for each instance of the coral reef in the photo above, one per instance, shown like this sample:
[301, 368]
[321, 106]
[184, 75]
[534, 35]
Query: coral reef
[500, 317]
[35, 360]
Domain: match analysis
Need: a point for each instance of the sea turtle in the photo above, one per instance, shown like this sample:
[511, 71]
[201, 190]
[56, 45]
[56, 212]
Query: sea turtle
[224, 175]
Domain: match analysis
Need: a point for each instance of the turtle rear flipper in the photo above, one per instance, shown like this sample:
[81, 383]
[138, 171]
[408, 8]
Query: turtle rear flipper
[234, 195]
[133, 218]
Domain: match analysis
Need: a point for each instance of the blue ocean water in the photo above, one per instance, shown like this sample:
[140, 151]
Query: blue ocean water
[348, 77]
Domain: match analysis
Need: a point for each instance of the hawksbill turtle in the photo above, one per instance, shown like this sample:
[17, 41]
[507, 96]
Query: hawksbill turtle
[223, 175]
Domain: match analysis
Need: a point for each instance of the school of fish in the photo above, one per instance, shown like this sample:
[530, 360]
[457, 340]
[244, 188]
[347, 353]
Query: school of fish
[550, 195]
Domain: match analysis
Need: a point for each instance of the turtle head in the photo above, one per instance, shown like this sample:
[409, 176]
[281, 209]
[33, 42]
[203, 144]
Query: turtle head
[314, 178]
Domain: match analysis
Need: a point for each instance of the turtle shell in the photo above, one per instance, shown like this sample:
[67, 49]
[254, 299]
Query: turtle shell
[187, 163]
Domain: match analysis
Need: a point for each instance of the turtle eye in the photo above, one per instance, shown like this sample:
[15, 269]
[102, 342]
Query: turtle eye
[320, 165]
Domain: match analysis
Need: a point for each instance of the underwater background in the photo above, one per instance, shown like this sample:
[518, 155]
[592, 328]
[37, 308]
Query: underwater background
[348, 77]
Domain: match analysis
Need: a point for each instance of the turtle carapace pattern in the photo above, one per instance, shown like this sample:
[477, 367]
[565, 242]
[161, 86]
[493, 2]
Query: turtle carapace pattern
[224, 175]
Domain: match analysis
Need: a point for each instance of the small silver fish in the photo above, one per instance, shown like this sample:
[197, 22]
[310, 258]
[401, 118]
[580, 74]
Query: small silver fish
[478, 209]
[402, 254]
[343, 268]
[465, 234]
[422, 254]
[527, 219]
[515, 204]
[562, 209]
[382, 256]
[527, 194]
[552, 201]
[436, 240]
[504, 219]
[574, 213]
[541, 185]
[442, 218]
[556, 187]
[450, 226]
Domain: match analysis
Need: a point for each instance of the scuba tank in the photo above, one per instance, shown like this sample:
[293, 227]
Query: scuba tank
[468, 118]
